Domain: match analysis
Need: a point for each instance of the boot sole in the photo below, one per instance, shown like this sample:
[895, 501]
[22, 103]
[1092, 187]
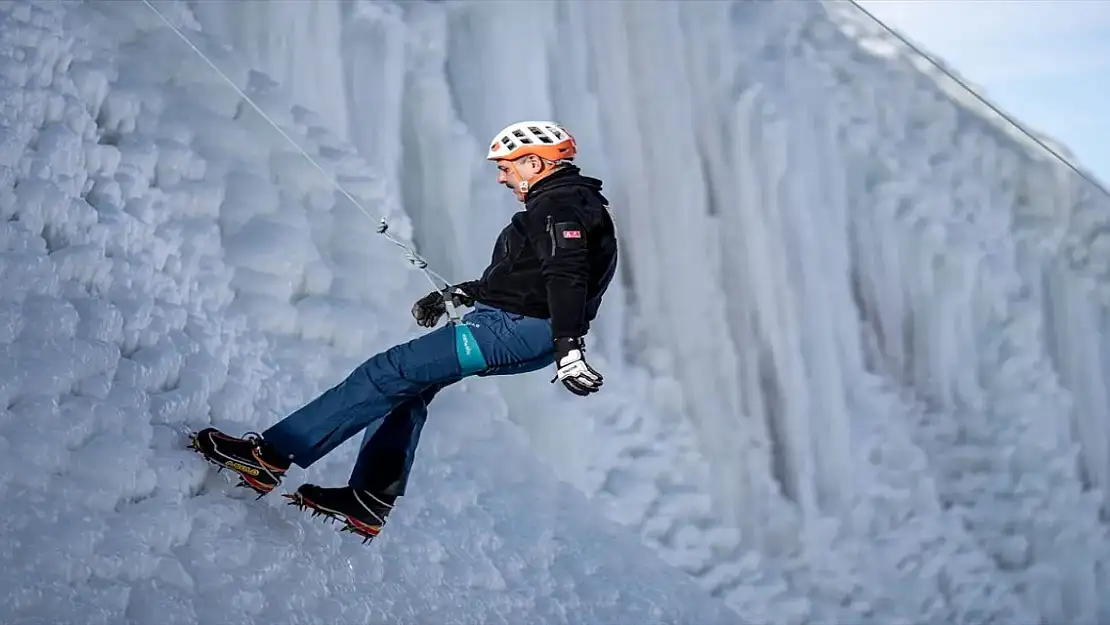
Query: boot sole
[353, 525]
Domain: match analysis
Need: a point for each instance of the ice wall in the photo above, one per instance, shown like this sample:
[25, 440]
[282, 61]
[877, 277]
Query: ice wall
[167, 261]
[880, 314]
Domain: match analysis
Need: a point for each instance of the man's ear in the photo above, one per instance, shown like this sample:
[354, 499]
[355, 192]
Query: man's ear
[534, 162]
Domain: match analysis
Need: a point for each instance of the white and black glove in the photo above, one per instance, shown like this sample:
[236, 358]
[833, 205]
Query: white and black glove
[573, 372]
[428, 309]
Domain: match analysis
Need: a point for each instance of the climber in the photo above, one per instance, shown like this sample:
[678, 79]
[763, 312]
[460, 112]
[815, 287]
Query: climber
[532, 307]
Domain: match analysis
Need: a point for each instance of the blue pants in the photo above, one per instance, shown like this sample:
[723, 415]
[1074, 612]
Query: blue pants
[388, 395]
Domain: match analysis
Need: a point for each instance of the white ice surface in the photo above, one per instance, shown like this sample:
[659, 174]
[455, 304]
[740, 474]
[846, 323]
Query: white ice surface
[856, 360]
[165, 264]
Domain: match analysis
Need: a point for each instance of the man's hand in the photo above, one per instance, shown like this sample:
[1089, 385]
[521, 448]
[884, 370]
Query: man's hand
[428, 309]
[573, 372]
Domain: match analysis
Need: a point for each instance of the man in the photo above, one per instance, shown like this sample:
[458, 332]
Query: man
[532, 306]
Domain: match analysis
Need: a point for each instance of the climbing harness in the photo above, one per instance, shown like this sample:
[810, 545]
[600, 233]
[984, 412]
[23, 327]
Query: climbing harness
[383, 226]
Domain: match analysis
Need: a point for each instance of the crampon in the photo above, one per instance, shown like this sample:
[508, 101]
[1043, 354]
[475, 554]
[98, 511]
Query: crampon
[350, 524]
[245, 480]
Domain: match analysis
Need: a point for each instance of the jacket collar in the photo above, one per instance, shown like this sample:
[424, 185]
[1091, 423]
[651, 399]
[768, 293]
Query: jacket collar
[568, 175]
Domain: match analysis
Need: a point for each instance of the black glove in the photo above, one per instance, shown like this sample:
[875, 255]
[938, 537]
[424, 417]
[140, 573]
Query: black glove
[573, 372]
[428, 309]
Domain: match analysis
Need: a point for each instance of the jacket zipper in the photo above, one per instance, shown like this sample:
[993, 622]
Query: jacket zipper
[551, 233]
[504, 256]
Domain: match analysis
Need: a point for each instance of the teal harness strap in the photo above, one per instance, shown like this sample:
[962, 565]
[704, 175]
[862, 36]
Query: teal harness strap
[471, 359]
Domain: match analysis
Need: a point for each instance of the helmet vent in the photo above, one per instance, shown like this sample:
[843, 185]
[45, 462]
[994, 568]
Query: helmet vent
[540, 134]
[523, 138]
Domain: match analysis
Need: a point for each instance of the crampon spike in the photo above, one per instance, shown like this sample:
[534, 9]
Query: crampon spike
[366, 536]
[192, 444]
[354, 529]
[295, 499]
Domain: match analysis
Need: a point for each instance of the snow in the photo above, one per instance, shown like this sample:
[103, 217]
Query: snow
[856, 361]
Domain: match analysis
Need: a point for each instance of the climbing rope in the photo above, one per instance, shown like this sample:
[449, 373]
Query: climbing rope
[1067, 162]
[382, 227]
[432, 276]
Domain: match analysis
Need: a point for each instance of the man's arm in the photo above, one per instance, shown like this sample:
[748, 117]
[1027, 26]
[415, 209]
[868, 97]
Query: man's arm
[471, 289]
[559, 239]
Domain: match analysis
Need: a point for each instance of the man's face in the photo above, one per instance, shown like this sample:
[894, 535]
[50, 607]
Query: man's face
[512, 173]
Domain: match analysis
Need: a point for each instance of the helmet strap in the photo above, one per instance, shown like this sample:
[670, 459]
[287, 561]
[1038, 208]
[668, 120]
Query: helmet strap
[524, 185]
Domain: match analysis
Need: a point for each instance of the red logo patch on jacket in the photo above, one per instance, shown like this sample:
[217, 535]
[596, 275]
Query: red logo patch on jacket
[572, 234]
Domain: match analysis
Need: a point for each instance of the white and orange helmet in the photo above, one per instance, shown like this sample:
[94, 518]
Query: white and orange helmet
[547, 140]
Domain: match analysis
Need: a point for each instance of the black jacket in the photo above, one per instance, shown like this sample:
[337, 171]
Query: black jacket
[556, 258]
